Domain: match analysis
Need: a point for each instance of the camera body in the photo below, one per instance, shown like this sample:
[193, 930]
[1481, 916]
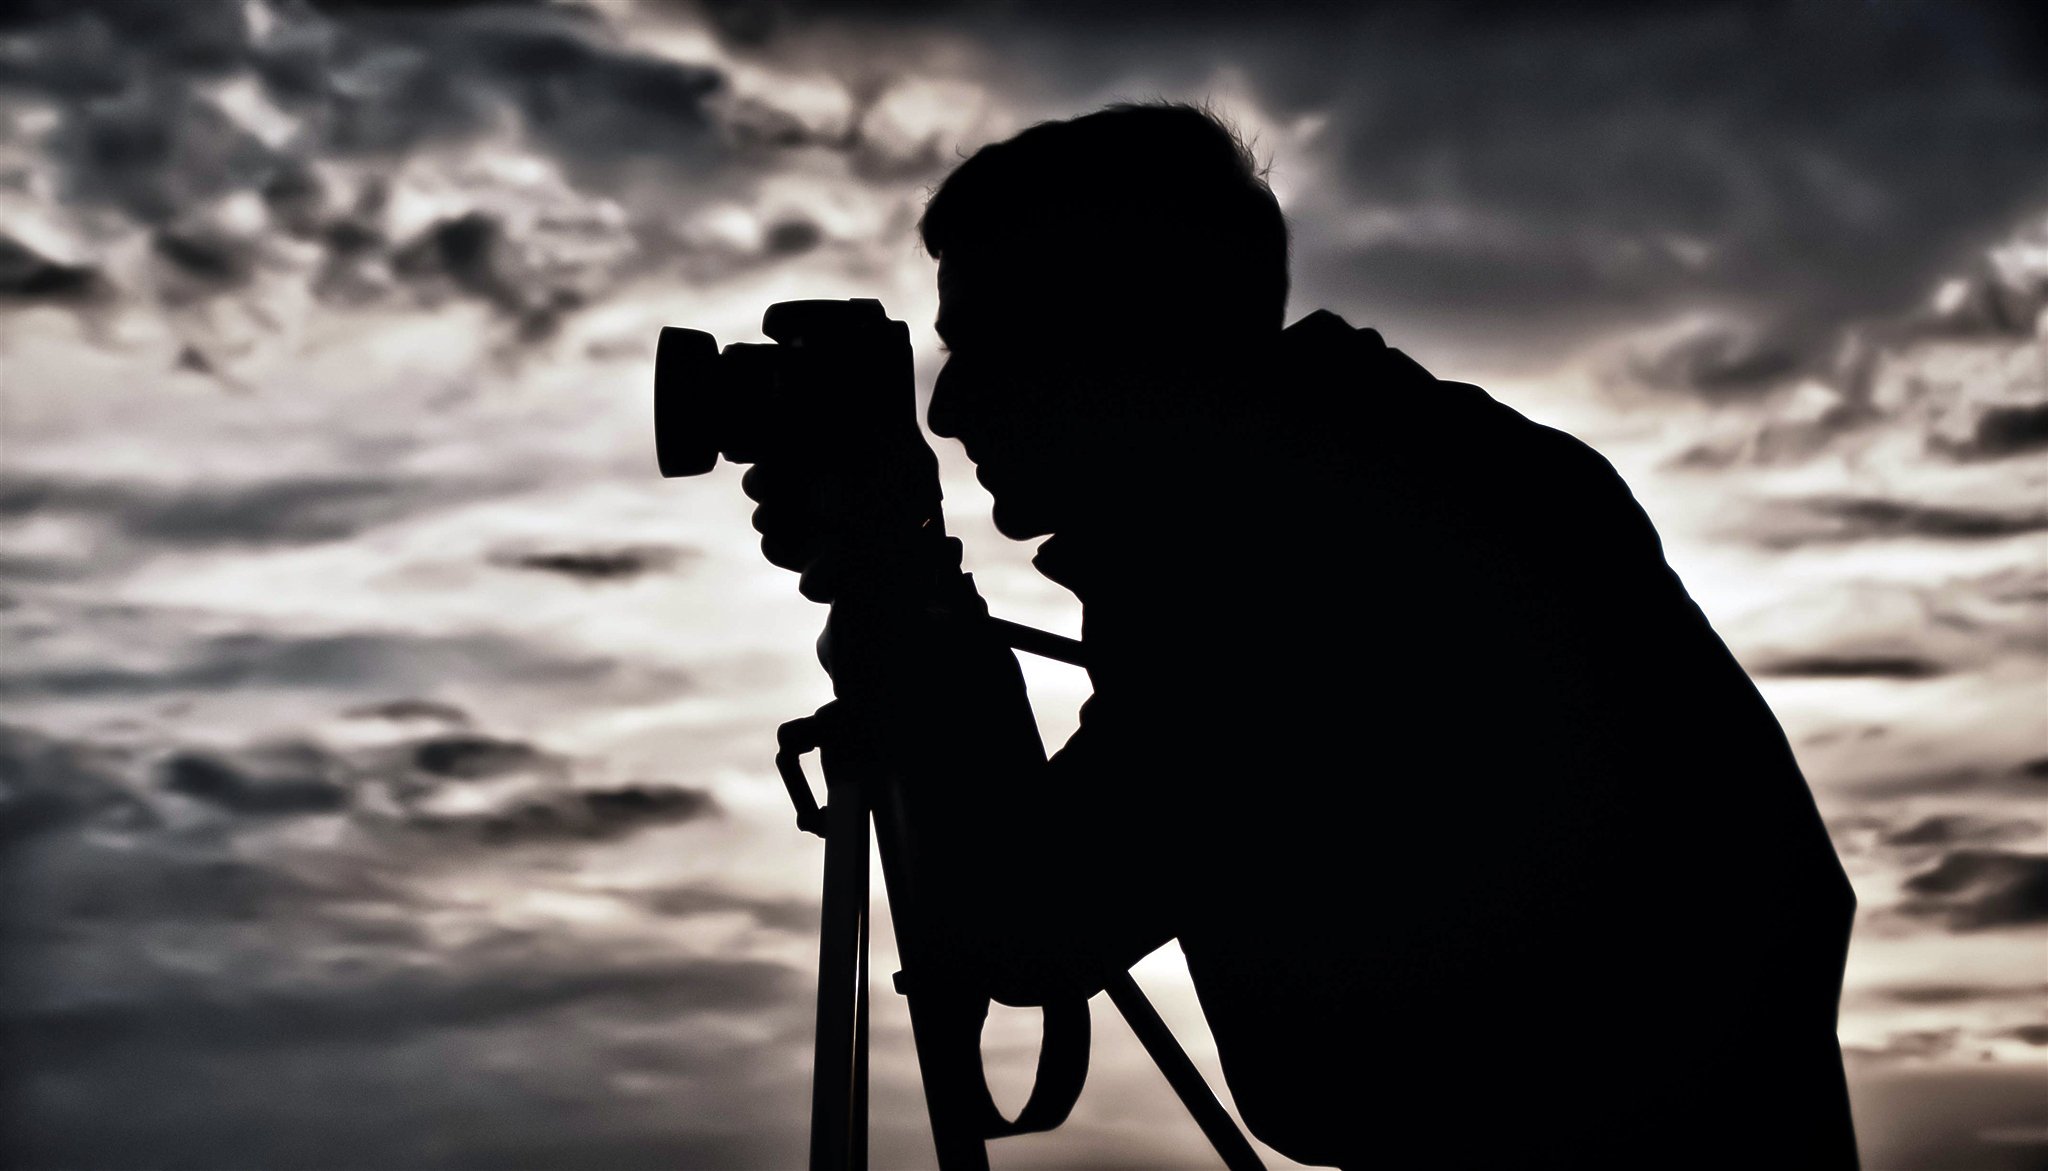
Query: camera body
[838, 373]
[830, 406]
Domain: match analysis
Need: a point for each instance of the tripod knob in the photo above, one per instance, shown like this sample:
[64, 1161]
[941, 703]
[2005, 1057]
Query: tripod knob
[792, 740]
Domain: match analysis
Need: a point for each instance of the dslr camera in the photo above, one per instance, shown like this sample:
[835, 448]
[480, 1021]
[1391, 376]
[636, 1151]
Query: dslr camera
[827, 411]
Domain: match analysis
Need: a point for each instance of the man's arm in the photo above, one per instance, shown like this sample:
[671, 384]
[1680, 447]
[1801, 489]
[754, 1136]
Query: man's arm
[1025, 871]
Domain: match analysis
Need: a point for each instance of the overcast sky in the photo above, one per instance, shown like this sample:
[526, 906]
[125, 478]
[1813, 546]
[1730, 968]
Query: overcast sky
[385, 777]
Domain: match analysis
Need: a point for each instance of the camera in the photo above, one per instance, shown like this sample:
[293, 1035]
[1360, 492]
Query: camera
[838, 376]
[831, 404]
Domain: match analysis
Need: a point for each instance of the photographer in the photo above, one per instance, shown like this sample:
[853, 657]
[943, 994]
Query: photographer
[1481, 847]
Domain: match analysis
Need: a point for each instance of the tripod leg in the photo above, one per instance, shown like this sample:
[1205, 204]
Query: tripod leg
[938, 1024]
[1182, 1075]
[839, 1061]
[860, 1040]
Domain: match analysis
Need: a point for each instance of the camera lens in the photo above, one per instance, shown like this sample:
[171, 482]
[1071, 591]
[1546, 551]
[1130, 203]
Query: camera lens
[687, 399]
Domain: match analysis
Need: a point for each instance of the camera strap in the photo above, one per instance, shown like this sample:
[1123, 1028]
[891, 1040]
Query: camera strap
[948, 1026]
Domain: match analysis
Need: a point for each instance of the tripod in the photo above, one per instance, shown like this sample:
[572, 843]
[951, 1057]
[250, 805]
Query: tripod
[945, 1022]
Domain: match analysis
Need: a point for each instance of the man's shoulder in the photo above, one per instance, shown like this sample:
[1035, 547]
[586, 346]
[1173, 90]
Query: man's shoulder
[1395, 409]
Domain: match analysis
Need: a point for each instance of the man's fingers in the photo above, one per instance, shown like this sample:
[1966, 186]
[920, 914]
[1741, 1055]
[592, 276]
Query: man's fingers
[759, 485]
[787, 539]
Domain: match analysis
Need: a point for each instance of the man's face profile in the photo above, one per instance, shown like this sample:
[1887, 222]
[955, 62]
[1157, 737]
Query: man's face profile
[1009, 392]
[1071, 401]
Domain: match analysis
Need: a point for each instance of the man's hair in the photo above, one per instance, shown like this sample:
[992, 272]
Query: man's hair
[1163, 190]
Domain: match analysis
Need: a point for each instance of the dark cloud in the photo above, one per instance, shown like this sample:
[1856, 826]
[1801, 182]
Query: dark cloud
[411, 709]
[296, 510]
[1500, 176]
[795, 915]
[1892, 376]
[1952, 829]
[1977, 889]
[2001, 432]
[1788, 159]
[473, 757]
[1843, 519]
[473, 254]
[275, 780]
[592, 99]
[1939, 781]
[341, 661]
[792, 238]
[463, 991]
[1851, 667]
[1959, 993]
[160, 885]
[204, 264]
[155, 149]
[26, 275]
[148, 135]
[1722, 362]
[1948, 1116]
[599, 565]
[2032, 1034]
[591, 814]
[47, 783]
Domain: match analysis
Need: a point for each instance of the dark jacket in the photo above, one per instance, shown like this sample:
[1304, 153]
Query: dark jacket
[1482, 849]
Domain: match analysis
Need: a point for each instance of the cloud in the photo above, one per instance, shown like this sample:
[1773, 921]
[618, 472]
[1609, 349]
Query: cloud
[163, 882]
[1959, 993]
[1979, 889]
[2002, 432]
[1783, 188]
[1719, 361]
[1821, 666]
[48, 783]
[503, 792]
[1952, 379]
[471, 988]
[1842, 519]
[288, 510]
[581, 814]
[352, 661]
[27, 276]
[294, 159]
[2036, 1035]
[366, 956]
[2017, 779]
[1951, 829]
[1909, 1044]
[599, 566]
[474, 757]
[482, 788]
[794, 915]
[400, 710]
[273, 780]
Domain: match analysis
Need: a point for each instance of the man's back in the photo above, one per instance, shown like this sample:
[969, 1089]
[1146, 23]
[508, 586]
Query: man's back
[1437, 774]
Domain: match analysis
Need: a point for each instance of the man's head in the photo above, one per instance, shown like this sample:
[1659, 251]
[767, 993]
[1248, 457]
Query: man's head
[1100, 281]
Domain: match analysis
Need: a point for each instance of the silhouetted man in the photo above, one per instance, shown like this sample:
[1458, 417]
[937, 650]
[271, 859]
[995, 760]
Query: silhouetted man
[1482, 849]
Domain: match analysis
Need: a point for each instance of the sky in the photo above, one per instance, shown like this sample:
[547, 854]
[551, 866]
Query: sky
[385, 768]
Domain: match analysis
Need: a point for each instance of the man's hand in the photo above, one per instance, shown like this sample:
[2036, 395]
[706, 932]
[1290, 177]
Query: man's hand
[793, 522]
[831, 513]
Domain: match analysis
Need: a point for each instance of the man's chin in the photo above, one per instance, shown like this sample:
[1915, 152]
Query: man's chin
[1018, 524]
